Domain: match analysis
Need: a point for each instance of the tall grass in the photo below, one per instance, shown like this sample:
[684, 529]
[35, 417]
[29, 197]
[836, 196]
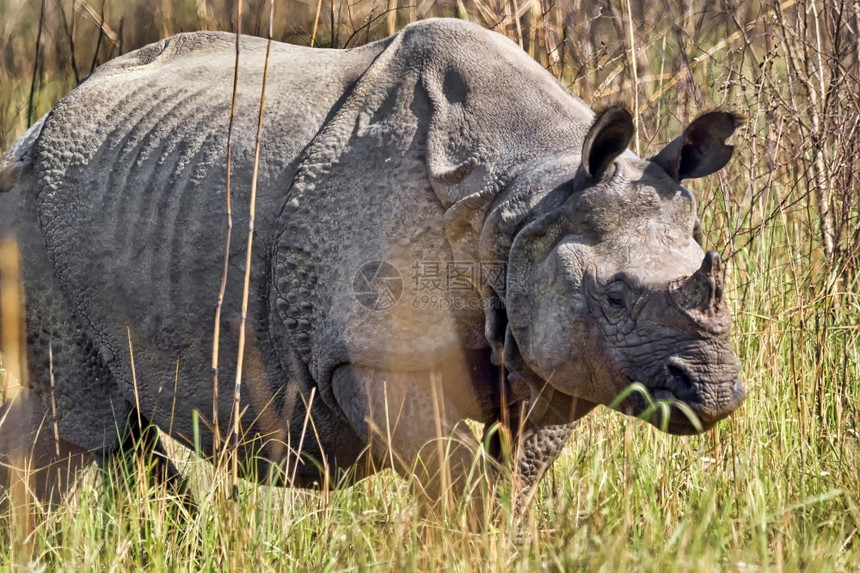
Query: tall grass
[775, 486]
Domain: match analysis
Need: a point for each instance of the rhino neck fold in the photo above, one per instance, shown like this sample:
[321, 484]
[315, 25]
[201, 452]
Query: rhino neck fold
[484, 227]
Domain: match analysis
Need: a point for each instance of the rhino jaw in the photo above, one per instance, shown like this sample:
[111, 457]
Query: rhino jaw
[691, 390]
[669, 411]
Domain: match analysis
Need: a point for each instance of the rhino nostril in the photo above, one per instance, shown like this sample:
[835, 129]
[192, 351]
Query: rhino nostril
[678, 377]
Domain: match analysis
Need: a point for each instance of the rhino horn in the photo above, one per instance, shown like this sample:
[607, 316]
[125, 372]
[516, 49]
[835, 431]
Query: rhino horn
[703, 290]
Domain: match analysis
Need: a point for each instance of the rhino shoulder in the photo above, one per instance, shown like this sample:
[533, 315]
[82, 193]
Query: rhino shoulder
[450, 39]
[432, 30]
[464, 64]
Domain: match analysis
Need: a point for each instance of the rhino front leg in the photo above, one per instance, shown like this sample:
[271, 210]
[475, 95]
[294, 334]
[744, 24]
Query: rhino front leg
[540, 432]
[538, 450]
[408, 424]
[544, 434]
[535, 450]
[30, 451]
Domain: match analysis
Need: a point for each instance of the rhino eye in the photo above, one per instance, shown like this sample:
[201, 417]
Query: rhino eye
[616, 301]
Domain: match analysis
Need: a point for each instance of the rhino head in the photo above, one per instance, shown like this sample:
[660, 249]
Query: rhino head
[612, 286]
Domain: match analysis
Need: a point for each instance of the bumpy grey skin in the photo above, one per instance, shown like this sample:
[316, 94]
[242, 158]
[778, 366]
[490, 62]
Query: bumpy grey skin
[444, 143]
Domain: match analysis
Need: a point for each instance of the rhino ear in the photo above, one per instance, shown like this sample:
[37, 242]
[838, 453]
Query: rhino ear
[607, 138]
[701, 149]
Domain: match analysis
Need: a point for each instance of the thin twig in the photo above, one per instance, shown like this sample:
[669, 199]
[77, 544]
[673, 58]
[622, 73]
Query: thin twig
[69, 28]
[101, 34]
[37, 61]
[365, 27]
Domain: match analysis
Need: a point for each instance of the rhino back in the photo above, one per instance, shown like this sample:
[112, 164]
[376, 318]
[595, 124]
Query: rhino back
[129, 186]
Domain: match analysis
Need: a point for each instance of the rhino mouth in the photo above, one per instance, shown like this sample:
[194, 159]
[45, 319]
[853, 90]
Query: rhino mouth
[677, 412]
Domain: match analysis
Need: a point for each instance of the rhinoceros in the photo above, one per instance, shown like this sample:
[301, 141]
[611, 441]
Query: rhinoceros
[442, 233]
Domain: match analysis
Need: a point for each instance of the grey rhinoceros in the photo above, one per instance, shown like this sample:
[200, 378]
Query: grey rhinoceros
[443, 232]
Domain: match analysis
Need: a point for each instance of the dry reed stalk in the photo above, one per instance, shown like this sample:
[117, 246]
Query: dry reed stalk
[516, 17]
[11, 347]
[824, 190]
[99, 22]
[316, 23]
[333, 21]
[10, 306]
[444, 476]
[660, 88]
[216, 338]
[635, 71]
[391, 17]
[387, 422]
[166, 18]
[204, 13]
[173, 399]
[237, 388]
[55, 424]
[309, 405]
[134, 379]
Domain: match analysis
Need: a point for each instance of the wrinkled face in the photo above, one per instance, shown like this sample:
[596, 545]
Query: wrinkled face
[625, 294]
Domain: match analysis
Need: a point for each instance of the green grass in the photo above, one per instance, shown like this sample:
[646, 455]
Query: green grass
[776, 486]
[764, 489]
